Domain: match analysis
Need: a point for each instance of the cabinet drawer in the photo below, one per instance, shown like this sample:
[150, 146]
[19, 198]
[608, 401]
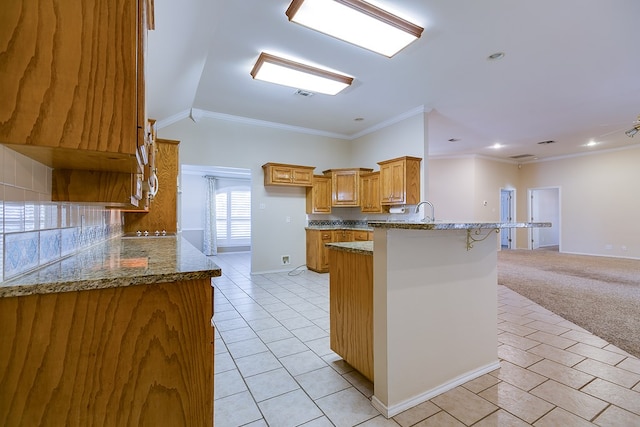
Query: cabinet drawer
[360, 236]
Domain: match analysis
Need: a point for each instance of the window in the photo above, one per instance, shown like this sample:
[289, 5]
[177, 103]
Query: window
[233, 216]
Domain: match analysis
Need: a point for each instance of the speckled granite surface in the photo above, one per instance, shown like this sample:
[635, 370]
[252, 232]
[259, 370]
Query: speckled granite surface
[117, 262]
[339, 227]
[456, 225]
[365, 248]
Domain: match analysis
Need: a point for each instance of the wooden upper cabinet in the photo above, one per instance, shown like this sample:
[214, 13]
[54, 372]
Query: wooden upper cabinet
[162, 208]
[289, 175]
[345, 186]
[319, 195]
[370, 193]
[400, 181]
[72, 79]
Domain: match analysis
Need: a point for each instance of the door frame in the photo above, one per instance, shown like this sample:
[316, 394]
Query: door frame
[532, 232]
[511, 215]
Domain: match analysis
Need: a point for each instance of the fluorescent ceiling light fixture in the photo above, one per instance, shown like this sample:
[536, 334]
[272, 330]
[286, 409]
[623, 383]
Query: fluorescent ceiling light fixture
[356, 22]
[285, 72]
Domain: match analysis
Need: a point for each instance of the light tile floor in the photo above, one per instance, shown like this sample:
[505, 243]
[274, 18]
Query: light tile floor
[274, 367]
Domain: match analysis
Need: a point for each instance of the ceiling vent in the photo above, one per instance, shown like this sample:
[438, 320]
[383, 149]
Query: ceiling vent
[521, 156]
[546, 142]
[304, 93]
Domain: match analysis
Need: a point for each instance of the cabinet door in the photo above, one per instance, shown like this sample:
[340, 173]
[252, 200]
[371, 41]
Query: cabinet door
[392, 182]
[317, 253]
[282, 175]
[370, 193]
[301, 176]
[325, 237]
[69, 77]
[345, 188]
[319, 196]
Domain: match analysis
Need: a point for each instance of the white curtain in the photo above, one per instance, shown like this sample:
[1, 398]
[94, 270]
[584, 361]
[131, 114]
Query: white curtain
[210, 244]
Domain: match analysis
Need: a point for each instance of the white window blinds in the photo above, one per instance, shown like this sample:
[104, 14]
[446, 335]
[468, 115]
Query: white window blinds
[233, 216]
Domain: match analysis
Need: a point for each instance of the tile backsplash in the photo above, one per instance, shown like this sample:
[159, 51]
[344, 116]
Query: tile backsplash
[34, 231]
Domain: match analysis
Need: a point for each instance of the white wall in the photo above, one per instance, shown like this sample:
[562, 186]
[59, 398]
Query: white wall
[460, 186]
[405, 138]
[599, 200]
[193, 189]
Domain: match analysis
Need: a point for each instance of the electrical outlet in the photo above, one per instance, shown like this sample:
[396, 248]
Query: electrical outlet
[287, 219]
[285, 260]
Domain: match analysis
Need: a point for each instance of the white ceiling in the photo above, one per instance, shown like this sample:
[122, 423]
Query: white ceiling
[571, 72]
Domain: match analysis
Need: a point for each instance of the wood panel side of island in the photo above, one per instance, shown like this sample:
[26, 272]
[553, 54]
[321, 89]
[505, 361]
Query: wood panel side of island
[122, 356]
[351, 308]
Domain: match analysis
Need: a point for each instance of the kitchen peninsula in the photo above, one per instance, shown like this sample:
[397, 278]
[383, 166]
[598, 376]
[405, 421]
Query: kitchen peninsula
[422, 312]
[117, 334]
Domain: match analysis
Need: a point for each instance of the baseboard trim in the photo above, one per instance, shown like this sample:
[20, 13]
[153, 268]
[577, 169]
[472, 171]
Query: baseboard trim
[393, 410]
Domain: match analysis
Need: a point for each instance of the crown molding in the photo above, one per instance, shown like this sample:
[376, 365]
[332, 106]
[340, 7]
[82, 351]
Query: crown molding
[392, 121]
[196, 114]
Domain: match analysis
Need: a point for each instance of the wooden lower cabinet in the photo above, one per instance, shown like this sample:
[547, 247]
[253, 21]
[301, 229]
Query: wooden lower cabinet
[317, 252]
[125, 356]
[351, 308]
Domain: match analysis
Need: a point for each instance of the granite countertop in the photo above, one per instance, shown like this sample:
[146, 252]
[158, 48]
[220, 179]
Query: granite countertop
[339, 227]
[365, 248]
[115, 263]
[456, 225]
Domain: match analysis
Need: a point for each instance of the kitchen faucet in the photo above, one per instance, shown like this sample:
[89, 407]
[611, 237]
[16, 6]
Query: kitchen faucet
[432, 218]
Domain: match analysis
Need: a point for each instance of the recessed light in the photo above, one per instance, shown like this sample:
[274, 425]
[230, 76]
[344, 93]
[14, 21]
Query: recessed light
[495, 56]
[358, 119]
[591, 144]
[453, 139]
[497, 145]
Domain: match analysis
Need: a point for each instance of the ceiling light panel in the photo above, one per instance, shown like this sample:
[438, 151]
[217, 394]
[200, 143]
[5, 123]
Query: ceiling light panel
[285, 72]
[356, 22]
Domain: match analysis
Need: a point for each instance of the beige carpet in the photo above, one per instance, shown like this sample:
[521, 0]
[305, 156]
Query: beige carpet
[602, 295]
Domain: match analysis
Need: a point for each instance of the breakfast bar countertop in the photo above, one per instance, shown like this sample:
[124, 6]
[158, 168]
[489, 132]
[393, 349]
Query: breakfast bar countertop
[117, 262]
[451, 225]
[365, 248]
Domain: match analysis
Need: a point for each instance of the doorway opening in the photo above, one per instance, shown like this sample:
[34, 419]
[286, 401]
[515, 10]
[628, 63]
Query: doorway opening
[544, 206]
[507, 214]
[215, 208]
